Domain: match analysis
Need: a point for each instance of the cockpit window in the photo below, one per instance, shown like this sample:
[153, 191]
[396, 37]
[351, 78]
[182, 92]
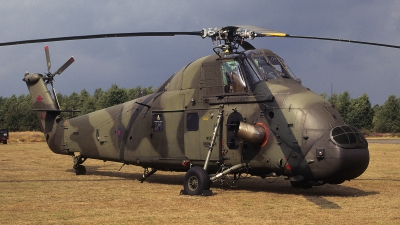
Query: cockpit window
[265, 67]
[232, 77]
[272, 67]
[279, 66]
[251, 71]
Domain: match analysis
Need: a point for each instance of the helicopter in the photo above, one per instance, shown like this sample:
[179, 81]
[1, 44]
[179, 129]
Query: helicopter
[231, 113]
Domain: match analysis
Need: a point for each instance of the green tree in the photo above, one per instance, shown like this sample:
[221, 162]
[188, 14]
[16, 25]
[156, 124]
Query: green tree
[69, 103]
[360, 113]
[11, 114]
[2, 111]
[343, 104]
[86, 103]
[324, 95]
[29, 120]
[115, 95]
[16, 113]
[387, 118]
[99, 98]
[333, 99]
[133, 93]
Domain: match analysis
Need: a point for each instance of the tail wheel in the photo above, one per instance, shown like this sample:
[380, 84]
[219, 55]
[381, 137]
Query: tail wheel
[80, 170]
[196, 180]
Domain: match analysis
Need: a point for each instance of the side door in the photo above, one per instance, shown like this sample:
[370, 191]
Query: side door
[201, 119]
[199, 128]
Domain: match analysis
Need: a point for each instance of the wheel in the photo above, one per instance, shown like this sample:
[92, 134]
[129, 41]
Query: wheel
[80, 170]
[196, 180]
[5, 142]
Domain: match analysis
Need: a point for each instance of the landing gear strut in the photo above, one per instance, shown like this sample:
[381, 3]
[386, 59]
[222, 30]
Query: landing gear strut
[78, 160]
[147, 174]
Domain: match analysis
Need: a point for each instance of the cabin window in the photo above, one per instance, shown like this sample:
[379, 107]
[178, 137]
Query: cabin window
[265, 68]
[232, 77]
[192, 122]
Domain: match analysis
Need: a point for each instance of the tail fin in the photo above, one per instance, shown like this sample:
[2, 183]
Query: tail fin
[46, 108]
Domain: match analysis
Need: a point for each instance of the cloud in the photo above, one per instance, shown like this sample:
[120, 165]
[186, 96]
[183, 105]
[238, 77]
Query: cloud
[129, 62]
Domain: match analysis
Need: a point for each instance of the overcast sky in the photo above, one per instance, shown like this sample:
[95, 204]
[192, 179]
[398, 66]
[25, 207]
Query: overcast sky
[148, 61]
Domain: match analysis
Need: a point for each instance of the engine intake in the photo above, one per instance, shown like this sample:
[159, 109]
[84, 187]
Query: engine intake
[257, 133]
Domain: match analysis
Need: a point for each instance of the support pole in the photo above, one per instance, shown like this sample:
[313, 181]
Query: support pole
[213, 140]
[230, 170]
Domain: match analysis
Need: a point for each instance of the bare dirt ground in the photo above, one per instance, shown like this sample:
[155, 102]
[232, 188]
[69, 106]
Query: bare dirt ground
[40, 187]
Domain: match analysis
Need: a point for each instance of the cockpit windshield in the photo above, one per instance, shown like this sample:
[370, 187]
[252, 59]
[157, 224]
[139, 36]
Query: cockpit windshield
[278, 66]
[265, 67]
[272, 67]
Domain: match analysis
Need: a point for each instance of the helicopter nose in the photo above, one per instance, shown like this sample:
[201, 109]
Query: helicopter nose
[344, 156]
[354, 153]
[353, 163]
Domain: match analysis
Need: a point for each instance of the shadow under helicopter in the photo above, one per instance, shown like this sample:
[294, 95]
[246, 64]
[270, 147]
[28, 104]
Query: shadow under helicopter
[315, 195]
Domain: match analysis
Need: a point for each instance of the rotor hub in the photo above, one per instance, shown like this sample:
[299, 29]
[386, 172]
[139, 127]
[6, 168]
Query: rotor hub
[228, 37]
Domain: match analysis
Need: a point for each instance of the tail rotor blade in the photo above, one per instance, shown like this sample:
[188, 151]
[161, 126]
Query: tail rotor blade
[46, 49]
[65, 66]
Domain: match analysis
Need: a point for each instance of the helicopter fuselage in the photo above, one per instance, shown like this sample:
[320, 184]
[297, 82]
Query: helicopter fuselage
[270, 125]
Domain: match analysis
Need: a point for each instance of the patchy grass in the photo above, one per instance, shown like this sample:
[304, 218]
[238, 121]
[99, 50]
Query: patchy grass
[39, 187]
[26, 136]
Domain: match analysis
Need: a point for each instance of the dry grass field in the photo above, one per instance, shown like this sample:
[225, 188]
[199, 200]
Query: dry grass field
[26, 136]
[40, 187]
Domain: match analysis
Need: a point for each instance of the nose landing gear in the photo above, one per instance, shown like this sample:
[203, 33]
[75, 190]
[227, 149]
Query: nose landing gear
[78, 160]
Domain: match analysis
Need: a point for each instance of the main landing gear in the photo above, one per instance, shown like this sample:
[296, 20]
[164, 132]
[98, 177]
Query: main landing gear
[78, 160]
[196, 182]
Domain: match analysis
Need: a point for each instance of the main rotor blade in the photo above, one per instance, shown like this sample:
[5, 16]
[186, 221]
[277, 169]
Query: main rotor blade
[96, 36]
[65, 66]
[344, 40]
[46, 50]
[266, 32]
[260, 31]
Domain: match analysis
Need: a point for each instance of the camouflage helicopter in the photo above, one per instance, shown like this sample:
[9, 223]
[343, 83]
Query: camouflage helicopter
[231, 113]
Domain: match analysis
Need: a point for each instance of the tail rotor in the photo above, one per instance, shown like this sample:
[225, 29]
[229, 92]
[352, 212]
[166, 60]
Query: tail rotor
[50, 76]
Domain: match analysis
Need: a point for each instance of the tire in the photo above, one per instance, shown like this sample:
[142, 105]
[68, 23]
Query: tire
[5, 142]
[80, 170]
[196, 180]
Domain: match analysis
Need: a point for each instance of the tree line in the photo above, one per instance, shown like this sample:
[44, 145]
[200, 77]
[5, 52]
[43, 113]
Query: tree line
[359, 113]
[16, 112]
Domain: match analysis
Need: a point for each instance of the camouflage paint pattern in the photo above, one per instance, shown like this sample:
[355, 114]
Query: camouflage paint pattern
[171, 129]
